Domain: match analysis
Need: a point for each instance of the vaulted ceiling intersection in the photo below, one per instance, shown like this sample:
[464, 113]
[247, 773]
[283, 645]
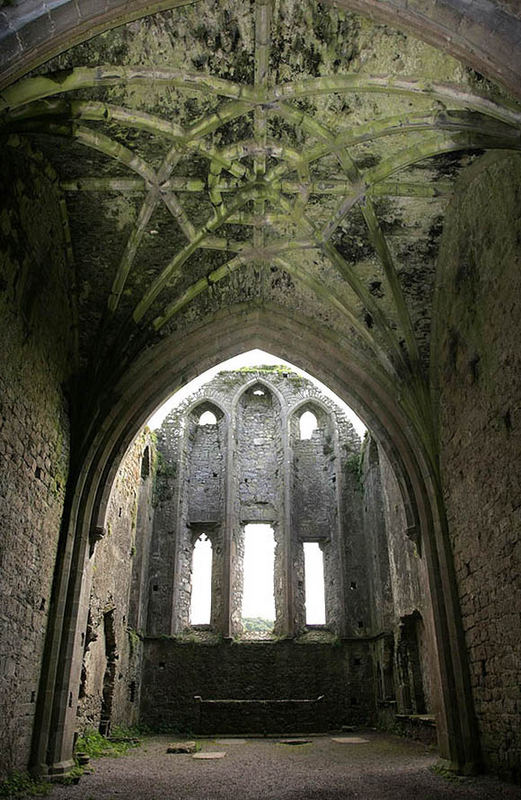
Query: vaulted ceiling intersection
[276, 151]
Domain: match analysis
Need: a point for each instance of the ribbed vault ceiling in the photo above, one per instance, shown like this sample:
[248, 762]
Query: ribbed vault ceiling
[270, 151]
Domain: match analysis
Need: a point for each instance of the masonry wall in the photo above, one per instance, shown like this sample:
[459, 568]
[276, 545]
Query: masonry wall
[206, 463]
[259, 455]
[175, 672]
[35, 277]
[405, 660]
[314, 477]
[358, 602]
[111, 673]
[252, 466]
[258, 487]
[477, 369]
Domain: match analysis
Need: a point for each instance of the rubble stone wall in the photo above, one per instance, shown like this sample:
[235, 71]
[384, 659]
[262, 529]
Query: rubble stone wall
[477, 372]
[35, 335]
[111, 674]
[174, 673]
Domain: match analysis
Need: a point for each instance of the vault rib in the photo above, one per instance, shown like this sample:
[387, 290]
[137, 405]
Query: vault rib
[194, 185]
[136, 236]
[262, 55]
[28, 90]
[376, 236]
[189, 139]
[243, 196]
[270, 255]
[344, 269]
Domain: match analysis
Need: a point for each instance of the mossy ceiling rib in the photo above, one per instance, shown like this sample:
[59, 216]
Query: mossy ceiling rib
[444, 121]
[272, 255]
[262, 55]
[433, 146]
[189, 139]
[36, 88]
[28, 90]
[242, 197]
[273, 149]
[147, 209]
[95, 140]
[348, 274]
[194, 185]
[445, 93]
[378, 241]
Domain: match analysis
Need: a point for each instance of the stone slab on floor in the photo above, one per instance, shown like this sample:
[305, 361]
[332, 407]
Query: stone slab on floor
[208, 756]
[349, 740]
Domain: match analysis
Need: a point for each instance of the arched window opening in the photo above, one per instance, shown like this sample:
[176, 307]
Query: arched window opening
[145, 463]
[258, 600]
[201, 600]
[307, 424]
[207, 418]
[314, 581]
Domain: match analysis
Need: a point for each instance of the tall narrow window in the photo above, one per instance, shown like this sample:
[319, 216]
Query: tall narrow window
[145, 463]
[314, 579]
[307, 424]
[201, 601]
[258, 601]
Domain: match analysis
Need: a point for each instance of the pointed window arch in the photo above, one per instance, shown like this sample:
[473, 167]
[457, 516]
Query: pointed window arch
[145, 463]
[207, 418]
[307, 424]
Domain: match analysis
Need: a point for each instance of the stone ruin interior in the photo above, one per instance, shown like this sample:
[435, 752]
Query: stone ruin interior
[233, 455]
[338, 184]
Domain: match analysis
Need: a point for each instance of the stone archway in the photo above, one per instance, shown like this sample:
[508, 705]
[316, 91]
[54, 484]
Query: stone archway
[150, 380]
[485, 37]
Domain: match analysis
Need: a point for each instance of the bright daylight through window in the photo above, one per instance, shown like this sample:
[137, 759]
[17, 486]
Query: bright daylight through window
[201, 601]
[258, 601]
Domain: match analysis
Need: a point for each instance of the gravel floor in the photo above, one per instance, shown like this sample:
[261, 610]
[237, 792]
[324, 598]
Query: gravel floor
[383, 768]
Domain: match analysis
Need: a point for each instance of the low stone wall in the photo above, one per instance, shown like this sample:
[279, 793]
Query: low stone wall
[175, 672]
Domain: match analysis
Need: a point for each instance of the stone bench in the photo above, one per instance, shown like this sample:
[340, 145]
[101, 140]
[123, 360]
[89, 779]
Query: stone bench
[235, 715]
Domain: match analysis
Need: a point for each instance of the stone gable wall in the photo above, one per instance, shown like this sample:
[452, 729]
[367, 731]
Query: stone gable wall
[250, 467]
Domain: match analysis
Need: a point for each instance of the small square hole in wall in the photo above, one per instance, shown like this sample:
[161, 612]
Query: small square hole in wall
[360, 623]
[357, 662]
[155, 587]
